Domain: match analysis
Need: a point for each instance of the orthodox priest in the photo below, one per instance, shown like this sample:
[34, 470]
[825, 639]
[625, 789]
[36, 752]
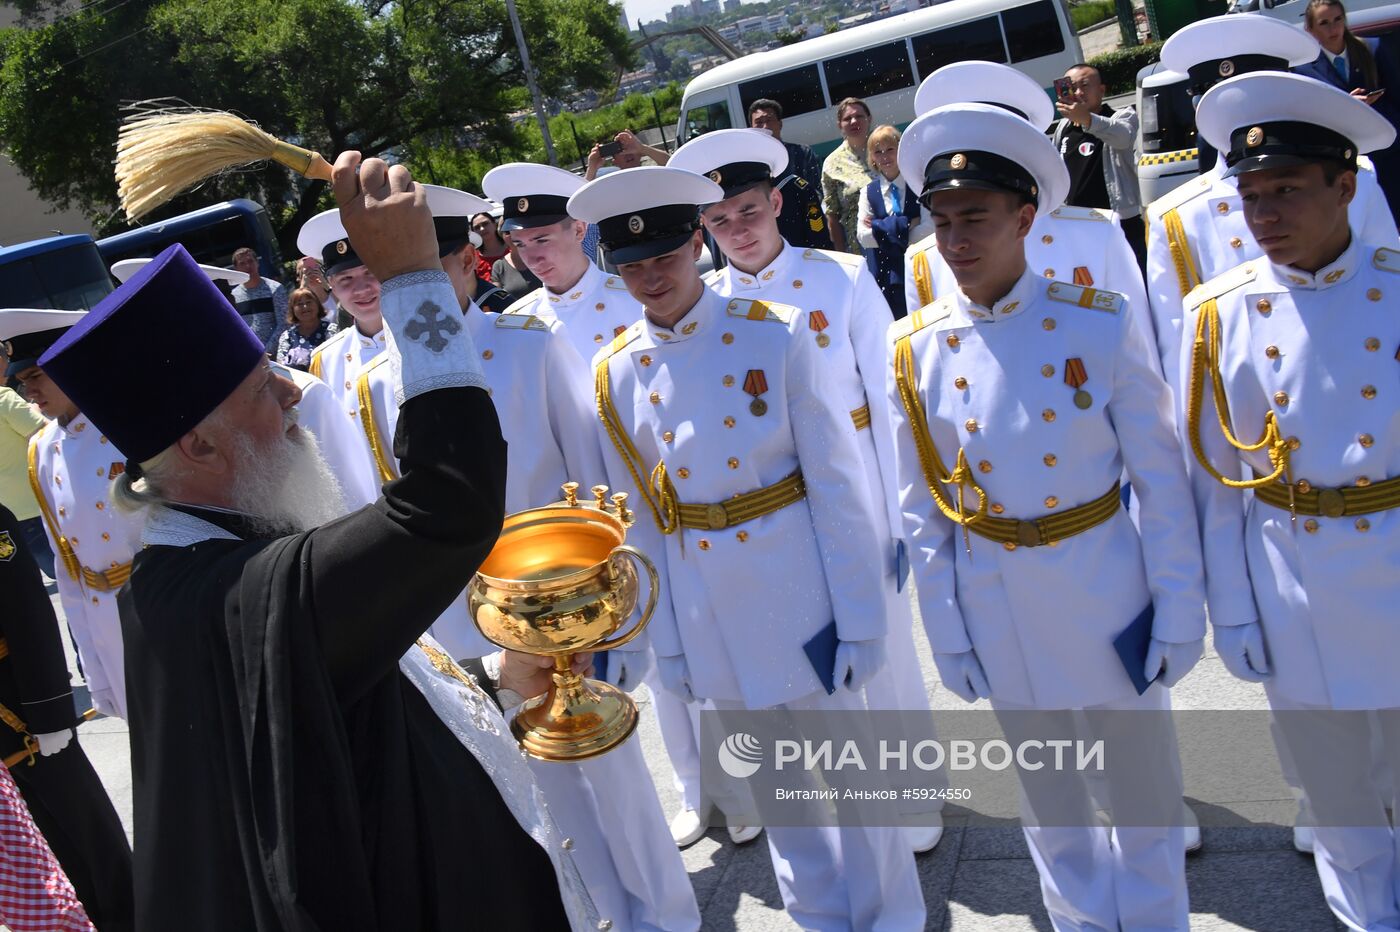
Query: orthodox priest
[303, 758]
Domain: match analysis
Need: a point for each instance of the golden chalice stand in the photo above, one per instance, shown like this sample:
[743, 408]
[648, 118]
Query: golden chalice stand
[560, 581]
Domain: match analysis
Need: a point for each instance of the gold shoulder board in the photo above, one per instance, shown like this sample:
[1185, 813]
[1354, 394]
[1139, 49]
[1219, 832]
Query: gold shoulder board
[928, 243]
[621, 340]
[1179, 195]
[614, 283]
[1110, 302]
[1387, 259]
[1066, 212]
[509, 321]
[1221, 284]
[926, 316]
[760, 310]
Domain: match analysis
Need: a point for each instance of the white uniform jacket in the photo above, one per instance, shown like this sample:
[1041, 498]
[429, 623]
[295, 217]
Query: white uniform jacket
[1319, 352]
[71, 470]
[735, 399]
[338, 437]
[1211, 222]
[534, 377]
[339, 361]
[993, 383]
[593, 312]
[1083, 245]
[847, 318]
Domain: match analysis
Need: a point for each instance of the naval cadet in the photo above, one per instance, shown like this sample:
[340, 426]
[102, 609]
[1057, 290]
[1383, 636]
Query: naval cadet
[1289, 367]
[847, 319]
[339, 361]
[607, 805]
[71, 466]
[717, 418]
[59, 785]
[1083, 245]
[1198, 231]
[1018, 404]
[593, 306]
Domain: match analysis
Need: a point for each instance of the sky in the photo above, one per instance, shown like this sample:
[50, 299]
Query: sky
[648, 10]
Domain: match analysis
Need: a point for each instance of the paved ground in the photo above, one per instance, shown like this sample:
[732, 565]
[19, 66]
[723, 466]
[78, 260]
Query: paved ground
[978, 879]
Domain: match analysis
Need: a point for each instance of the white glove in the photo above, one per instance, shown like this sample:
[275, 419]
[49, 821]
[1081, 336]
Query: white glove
[1241, 648]
[1175, 659]
[675, 676]
[627, 667]
[857, 662]
[962, 673]
[104, 701]
[54, 741]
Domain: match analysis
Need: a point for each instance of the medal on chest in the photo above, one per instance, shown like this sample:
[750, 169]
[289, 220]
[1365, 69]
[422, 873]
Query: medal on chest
[1075, 377]
[755, 384]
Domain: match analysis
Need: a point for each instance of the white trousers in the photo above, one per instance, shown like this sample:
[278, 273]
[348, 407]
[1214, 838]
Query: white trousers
[680, 732]
[1333, 756]
[1094, 878]
[622, 844]
[845, 878]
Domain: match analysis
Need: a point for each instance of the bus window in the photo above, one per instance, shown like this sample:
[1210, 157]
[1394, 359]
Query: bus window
[979, 40]
[707, 119]
[870, 71]
[798, 90]
[63, 272]
[1033, 31]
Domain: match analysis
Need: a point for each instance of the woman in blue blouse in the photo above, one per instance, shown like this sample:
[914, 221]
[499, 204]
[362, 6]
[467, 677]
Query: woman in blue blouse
[307, 330]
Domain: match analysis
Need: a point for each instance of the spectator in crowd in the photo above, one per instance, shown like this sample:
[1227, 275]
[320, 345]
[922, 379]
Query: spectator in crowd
[310, 274]
[19, 420]
[802, 161]
[889, 219]
[800, 221]
[629, 154]
[307, 328]
[493, 246]
[510, 274]
[846, 174]
[1362, 67]
[261, 302]
[1096, 143]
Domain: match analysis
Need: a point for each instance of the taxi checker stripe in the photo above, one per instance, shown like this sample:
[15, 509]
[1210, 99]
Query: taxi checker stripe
[1166, 158]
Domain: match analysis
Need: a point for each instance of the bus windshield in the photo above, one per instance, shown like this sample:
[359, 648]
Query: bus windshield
[62, 272]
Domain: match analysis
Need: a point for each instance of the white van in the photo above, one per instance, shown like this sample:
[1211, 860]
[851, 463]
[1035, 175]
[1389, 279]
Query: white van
[882, 63]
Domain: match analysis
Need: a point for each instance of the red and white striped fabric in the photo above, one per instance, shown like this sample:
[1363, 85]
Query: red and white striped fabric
[35, 895]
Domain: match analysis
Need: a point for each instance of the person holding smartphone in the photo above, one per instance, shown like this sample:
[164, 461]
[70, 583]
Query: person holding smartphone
[1096, 143]
[625, 150]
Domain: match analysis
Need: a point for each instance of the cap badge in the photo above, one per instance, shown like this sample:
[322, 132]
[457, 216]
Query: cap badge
[716, 177]
[1227, 68]
[1254, 137]
[523, 204]
[1346, 153]
[342, 247]
[1035, 192]
[636, 224]
[958, 162]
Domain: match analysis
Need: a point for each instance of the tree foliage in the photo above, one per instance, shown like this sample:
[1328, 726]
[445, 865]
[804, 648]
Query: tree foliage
[382, 77]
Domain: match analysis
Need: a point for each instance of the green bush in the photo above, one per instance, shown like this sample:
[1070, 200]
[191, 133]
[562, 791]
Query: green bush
[1119, 68]
[1087, 14]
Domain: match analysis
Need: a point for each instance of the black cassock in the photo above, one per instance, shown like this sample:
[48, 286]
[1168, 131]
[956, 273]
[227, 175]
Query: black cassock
[287, 776]
[64, 794]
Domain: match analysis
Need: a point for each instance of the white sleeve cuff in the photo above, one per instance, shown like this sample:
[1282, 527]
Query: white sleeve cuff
[427, 340]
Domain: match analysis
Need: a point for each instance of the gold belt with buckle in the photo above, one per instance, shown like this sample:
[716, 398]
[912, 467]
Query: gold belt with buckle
[1048, 529]
[861, 417]
[744, 507]
[1332, 503]
[107, 580]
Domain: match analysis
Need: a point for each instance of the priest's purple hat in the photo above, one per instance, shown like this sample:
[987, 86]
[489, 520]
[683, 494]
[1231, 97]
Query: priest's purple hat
[154, 357]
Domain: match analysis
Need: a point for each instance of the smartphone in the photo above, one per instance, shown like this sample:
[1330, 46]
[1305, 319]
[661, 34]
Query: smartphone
[1064, 89]
[1375, 95]
[608, 149]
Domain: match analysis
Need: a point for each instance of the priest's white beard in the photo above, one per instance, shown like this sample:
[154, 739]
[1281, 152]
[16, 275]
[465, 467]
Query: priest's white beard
[287, 488]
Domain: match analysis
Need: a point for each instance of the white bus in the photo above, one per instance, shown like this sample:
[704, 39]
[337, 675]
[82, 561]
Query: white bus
[882, 63]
